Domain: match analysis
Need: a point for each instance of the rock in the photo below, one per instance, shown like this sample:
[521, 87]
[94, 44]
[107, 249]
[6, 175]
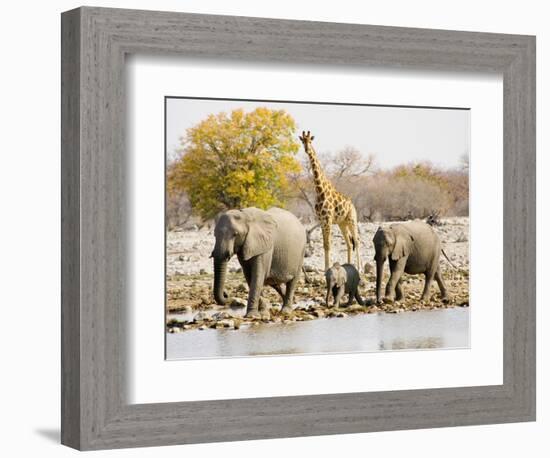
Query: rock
[309, 268]
[253, 316]
[202, 316]
[202, 327]
[368, 268]
[174, 330]
[202, 272]
[221, 316]
[237, 304]
[319, 313]
[341, 315]
[205, 300]
[187, 309]
[241, 288]
[226, 323]
[354, 307]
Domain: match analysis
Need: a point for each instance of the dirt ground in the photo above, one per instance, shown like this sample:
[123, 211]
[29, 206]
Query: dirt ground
[190, 278]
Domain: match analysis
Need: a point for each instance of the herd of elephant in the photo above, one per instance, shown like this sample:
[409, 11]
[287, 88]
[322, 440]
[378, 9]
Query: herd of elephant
[270, 247]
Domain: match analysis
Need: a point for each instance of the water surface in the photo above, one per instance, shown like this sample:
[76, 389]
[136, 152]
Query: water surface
[426, 329]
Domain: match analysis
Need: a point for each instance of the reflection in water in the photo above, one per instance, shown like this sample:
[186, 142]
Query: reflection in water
[445, 328]
[402, 344]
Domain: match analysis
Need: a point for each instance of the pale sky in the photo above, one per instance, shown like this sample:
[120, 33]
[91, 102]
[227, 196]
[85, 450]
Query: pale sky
[395, 135]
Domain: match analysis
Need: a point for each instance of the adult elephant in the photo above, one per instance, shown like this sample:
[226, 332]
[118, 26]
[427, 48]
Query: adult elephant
[270, 247]
[411, 248]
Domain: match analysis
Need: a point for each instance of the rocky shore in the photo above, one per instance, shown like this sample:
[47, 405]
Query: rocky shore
[190, 304]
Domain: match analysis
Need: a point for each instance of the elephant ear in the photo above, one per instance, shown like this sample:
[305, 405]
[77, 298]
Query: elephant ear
[259, 239]
[403, 241]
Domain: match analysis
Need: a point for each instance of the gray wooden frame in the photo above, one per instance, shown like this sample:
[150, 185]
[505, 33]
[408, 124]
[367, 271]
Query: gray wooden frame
[95, 413]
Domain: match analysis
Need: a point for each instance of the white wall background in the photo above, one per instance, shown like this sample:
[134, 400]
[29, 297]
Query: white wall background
[29, 233]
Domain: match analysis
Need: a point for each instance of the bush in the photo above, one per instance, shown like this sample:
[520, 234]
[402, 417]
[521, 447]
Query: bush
[178, 209]
[389, 198]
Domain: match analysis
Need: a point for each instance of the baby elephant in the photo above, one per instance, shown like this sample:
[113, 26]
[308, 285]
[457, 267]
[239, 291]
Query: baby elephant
[343, 280]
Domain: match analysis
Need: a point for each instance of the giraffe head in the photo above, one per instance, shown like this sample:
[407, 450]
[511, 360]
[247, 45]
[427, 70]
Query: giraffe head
[306, 139]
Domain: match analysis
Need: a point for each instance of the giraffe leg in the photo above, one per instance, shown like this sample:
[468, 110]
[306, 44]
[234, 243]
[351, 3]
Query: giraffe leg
[357, 245]
[347, 238]
[326, 228]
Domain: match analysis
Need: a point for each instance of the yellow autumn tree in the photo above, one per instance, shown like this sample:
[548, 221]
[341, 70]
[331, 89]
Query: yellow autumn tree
[236, 160]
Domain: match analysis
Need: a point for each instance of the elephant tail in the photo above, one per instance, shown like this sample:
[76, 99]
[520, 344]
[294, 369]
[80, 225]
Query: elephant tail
[448, 260]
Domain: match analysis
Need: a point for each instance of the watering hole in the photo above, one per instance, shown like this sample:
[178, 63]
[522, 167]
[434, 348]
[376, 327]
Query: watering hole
[425, 329]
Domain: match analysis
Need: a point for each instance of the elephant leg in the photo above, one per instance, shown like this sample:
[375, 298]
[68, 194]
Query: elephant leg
[338, 296]
[264, 308]
[351, 298]
[289, 294]
[334, 292]
[441, 284]
[426, 293]
[327, 299]
[262, 304]
[326, 229]
[397, 269]
[256, 283]
[358, 297]
[279, 289]
[399, 290]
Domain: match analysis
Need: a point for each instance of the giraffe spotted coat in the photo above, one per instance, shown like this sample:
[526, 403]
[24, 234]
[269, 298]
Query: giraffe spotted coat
[332, 207]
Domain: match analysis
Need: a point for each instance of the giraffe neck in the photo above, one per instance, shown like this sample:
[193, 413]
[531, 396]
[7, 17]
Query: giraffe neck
[319, 179]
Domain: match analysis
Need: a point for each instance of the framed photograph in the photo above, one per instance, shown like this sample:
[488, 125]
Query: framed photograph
[278, 228]
[345, 185]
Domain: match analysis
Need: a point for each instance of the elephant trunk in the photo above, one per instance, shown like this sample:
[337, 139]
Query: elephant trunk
[379, 274]
[220, 271]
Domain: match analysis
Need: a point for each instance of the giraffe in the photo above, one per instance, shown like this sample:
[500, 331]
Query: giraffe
[332, 207]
